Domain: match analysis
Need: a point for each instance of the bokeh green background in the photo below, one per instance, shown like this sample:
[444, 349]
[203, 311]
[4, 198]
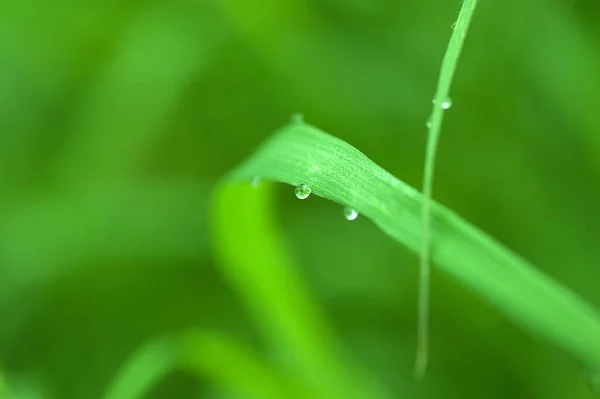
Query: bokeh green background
[118, 118]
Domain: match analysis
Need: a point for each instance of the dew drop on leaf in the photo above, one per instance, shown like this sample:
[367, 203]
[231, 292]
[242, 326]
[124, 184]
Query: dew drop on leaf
[302, 191]
[350, 213]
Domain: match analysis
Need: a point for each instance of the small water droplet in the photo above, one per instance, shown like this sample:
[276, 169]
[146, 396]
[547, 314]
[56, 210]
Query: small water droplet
[447, 103]
[255, 181]
[428, 123]
[453, 26]
[350, 213]
[302, 191]
[297, 118]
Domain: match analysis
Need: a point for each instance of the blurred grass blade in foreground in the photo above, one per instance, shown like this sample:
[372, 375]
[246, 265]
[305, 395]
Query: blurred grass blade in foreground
[231, 367]
[255, 261]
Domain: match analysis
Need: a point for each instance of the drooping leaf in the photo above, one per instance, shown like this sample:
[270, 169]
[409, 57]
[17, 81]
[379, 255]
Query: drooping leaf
[302, 154]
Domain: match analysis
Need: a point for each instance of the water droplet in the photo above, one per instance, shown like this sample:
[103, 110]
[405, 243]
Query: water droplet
[350, 213]
[428, 123]
[447, 103]
[255, 181]
[453, 26]
[297, 118]
[302, 191]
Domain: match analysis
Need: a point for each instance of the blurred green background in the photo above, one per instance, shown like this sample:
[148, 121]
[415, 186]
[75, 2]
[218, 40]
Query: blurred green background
[118, 118]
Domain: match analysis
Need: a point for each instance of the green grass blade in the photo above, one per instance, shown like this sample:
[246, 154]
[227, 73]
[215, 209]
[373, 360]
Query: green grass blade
[299, 153]
[238, 370]
[257, 264]
[230, 366]
[143, 370]
[441, 95]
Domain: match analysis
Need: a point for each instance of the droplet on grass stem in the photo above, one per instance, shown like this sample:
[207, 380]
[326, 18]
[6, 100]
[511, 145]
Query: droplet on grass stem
[302, 191]
[447, 103]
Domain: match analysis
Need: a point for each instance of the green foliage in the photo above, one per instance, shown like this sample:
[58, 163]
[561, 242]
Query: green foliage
[290, 320]
[302, 154]
[4, 390]
[118, 119]
[228, 365]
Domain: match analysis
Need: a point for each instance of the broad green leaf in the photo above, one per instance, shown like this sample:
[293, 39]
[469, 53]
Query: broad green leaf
[302, 154]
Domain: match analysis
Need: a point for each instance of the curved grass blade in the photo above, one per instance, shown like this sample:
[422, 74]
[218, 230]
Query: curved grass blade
[146, 366]
[230, 366]
[257, 264]
[302, 154]
[441, 95]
